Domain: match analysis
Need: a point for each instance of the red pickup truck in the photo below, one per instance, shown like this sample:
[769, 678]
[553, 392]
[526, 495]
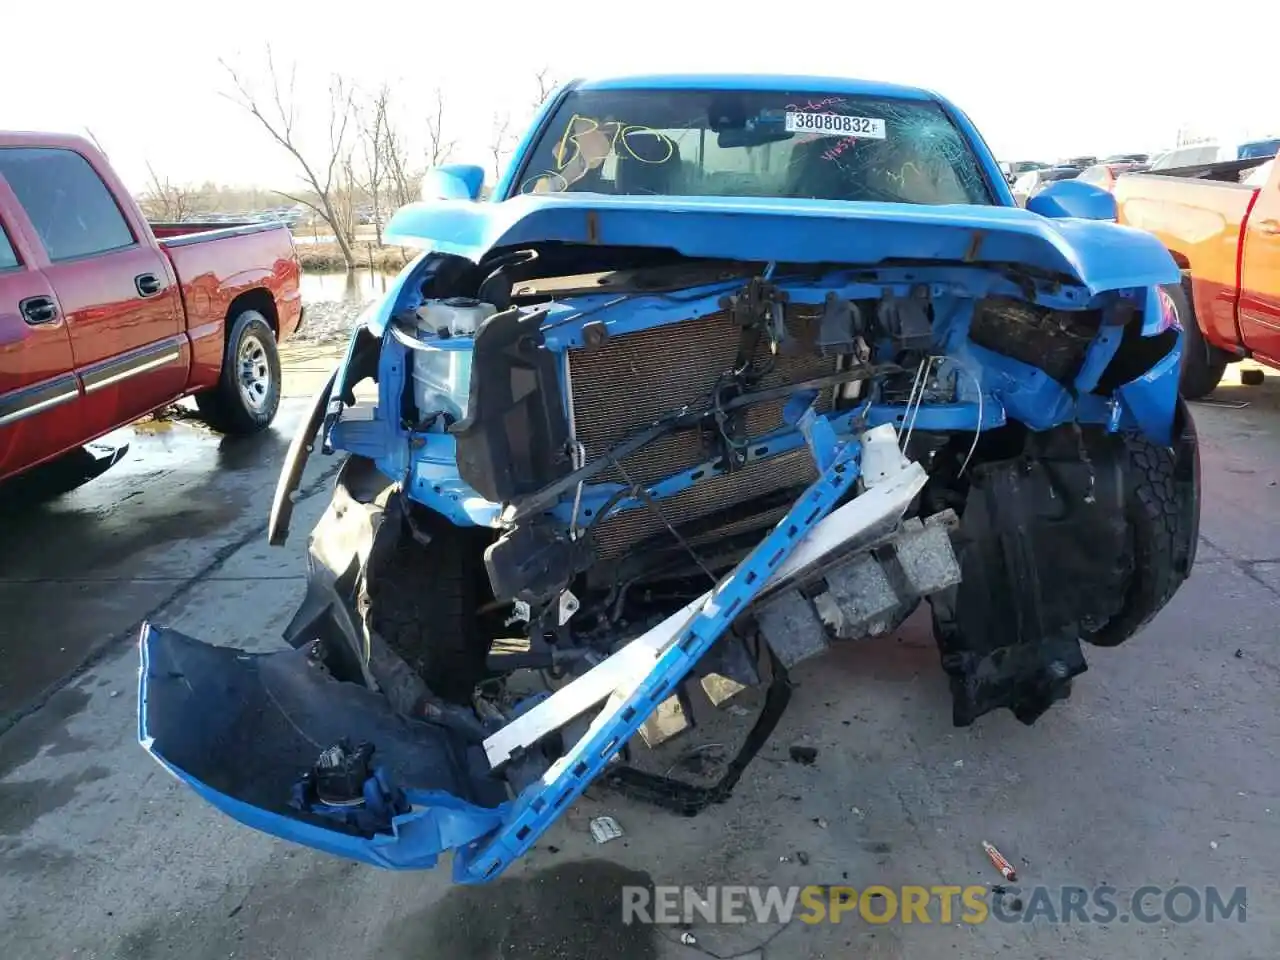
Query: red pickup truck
[1221, 222]
[101, 322]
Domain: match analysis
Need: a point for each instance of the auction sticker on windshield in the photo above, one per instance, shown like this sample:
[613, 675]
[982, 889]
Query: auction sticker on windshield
[836, 125]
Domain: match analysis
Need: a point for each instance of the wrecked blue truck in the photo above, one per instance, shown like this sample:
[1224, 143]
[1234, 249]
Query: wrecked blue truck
[724, 371]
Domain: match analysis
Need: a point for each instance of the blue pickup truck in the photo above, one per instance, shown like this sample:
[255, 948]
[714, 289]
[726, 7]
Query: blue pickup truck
[725, 370]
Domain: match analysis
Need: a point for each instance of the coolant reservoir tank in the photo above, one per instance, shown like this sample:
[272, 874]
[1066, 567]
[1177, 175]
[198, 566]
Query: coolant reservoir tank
[454, 316]
[442, 369]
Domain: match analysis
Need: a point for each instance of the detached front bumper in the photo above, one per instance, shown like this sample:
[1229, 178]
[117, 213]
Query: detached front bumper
[241, 728]
[244, 730]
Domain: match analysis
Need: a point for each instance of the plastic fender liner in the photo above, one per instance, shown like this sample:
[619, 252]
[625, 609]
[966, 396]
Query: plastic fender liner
[360, 362]
[1044, 553]
[295, 460]
[1187, 475]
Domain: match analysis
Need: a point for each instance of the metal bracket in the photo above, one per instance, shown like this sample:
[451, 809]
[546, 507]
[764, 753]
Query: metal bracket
[541, 803]
[821, 438]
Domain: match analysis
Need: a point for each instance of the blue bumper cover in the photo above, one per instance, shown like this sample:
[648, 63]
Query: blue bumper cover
[240, 729]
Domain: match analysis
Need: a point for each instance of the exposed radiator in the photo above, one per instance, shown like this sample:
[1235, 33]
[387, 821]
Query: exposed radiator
[633, 379]
[617, 534]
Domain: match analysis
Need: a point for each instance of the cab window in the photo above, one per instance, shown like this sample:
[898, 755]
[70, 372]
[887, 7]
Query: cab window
[73, 212]
[8, 258]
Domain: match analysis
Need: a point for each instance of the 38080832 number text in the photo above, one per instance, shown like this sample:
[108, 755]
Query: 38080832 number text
[835, 123]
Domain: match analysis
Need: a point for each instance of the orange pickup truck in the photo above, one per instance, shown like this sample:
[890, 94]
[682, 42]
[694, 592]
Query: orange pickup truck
[1221, 222]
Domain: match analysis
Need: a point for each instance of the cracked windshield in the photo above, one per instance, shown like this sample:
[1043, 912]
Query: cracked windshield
[722, 144]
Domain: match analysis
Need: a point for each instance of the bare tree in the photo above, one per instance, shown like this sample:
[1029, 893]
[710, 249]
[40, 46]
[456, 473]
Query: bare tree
[546, 84]
[500, 142]
[101, 149]
[402, 181]
[165, 201]
[374, 121]
[346, 197]
[322, 172]
[438, 148]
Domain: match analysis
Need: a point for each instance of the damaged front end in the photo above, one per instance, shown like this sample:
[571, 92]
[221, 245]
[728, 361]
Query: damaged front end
[600, 499]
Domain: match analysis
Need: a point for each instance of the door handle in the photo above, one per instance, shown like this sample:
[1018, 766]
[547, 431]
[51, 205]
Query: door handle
[148, 284]
[39, 310]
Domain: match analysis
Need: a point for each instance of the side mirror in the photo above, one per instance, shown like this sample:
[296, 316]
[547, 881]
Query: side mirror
[453, 181]
[1071, 198]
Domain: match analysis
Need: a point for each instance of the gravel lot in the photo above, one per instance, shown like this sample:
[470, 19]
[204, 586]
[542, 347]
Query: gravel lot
[329, 321]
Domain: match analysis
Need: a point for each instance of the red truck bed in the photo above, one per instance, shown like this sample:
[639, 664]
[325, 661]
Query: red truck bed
[213, 280]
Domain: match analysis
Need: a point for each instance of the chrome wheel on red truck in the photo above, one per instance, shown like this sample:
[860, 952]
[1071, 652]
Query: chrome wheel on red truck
[253, 370]
[248, 392]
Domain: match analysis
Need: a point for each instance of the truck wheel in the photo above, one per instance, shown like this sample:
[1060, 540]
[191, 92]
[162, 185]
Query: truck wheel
[422, 599]
[248, 392]
[1162, 489]
[1202, 364]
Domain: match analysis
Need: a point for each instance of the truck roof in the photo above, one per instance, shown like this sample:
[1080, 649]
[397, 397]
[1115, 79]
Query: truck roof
[33, 138]
[753, 81]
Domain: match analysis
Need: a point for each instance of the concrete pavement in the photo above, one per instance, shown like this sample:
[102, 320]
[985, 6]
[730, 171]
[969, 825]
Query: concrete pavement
[1162, 769]
[78, 573]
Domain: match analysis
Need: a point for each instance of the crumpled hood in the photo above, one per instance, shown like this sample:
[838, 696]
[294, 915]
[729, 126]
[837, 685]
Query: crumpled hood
[1099, 255]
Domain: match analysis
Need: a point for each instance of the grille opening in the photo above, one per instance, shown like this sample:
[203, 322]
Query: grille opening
[633, 379]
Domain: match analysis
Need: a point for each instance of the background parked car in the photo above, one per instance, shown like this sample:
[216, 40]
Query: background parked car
[1104, 174]
[1032, 182]
[1258, 148]
[1016, 168]
[1201, 153]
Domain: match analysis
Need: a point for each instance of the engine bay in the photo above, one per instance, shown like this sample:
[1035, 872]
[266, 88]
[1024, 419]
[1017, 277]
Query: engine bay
[630, 426]
[606, 444]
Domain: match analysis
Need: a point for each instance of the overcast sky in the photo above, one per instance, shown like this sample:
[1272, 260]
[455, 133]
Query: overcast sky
[1041, 80]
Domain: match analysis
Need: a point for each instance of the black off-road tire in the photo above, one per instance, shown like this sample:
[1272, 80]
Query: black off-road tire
[422, 599]
[1202, 364]
[236, 406]
[1163, 510]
